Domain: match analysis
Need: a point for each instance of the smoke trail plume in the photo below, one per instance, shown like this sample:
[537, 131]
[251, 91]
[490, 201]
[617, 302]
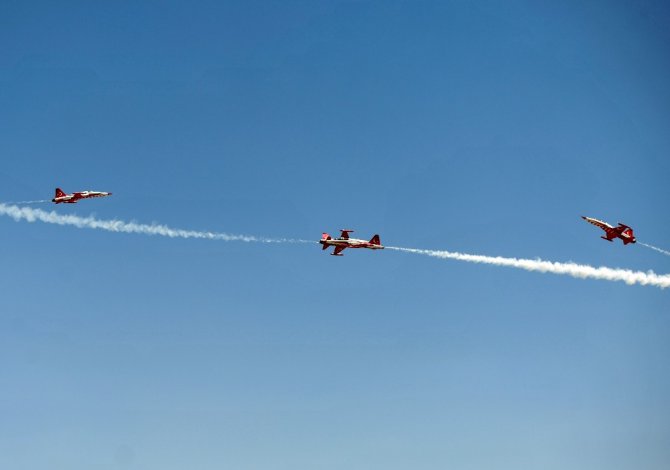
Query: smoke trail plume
[51, 217]
[41, 201]
[667, 253]
[580, 271]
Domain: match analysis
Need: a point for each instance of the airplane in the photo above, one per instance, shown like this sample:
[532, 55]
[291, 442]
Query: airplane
[62, 197]
[344, 242]
[624, 232]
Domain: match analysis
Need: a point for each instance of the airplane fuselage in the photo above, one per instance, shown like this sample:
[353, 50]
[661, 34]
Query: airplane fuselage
[622, 231]
[351, 243]
[344, 241]
[74, 197]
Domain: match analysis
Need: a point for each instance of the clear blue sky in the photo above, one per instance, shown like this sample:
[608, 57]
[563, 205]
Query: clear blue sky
[484, 127]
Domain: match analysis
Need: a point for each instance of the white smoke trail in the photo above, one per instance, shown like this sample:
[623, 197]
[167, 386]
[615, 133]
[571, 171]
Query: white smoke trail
[30, 214]
[41, 201]
[51, 217]
[580, 271]
[667, 253]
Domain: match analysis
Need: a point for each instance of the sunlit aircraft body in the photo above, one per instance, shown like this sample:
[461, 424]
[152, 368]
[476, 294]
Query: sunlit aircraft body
[624, 232]
[344, 242]
[62, 197]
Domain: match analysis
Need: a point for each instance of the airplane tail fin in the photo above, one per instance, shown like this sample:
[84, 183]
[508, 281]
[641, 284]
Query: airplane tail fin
[375, 240]
[631, 239]
[60, 192]
[324, 237]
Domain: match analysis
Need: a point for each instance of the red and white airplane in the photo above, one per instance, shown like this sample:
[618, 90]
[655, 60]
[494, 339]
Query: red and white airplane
[344, 242]
[624, 232]
[62, 197]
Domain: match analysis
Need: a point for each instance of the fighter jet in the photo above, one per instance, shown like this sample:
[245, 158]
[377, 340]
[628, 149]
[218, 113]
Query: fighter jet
[62, 197]
[344, 242]
[624, 232]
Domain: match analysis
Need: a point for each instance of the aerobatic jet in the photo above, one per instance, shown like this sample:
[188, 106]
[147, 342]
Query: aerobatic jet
[624, 232]
[62, 197]
[344, 242]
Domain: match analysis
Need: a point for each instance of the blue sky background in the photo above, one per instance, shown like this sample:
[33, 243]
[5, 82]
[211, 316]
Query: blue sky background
[483, 127]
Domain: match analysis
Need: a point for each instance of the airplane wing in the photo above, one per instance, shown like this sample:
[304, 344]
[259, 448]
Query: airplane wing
[345, 234]
[337, 250]
[610, 235]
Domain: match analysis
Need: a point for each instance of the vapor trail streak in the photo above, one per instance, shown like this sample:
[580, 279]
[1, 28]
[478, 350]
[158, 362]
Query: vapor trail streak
[667, 253]
[580, 271]
[51, 217]
[41, 201]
